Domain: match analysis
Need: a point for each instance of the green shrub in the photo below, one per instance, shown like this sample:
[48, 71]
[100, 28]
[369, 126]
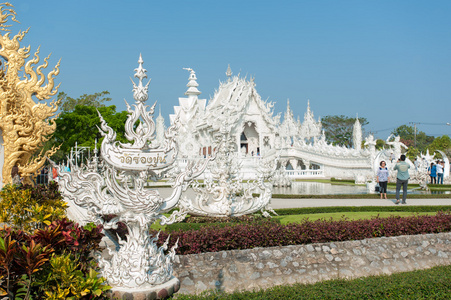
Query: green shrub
[195, 223]
[355, 196]
[56, 259]
[335, 209]
[333, 179]
[29, 208]
[65, 280]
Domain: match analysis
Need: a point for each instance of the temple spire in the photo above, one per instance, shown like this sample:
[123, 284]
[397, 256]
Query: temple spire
[229, 73]
[192, 83]
[357, 134]
[140, 91]
[289, 108]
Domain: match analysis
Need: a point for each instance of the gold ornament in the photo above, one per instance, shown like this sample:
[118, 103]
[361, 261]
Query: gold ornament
[25, 125]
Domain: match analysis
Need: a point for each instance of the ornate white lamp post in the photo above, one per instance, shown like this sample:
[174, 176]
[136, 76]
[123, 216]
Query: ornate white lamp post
[118, 189]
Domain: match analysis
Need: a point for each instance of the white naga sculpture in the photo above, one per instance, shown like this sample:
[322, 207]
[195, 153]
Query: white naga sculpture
[118, 189]
[223, 192]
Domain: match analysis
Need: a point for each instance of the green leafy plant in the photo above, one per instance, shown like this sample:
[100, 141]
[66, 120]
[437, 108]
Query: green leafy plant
[21, 258]
[29, 208]
[55, 262]
[65, 280]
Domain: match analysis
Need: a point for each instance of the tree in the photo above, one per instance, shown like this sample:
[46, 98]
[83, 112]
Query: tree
[380, 144]
[67, 104]
[442, 143]
[338, 129]
[407, 136]
[80, 125]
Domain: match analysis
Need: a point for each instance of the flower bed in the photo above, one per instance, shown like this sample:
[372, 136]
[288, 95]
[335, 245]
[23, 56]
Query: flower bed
[270, 234]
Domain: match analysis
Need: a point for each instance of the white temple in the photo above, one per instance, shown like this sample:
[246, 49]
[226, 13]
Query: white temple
[301, 146]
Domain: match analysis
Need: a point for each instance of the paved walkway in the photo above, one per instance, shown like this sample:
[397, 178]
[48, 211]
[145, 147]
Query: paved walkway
[293, 203]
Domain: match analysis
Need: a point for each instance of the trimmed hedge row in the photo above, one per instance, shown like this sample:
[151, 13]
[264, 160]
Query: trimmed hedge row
[271, 234]
[355, 196]
[195, 223]
[335, 209]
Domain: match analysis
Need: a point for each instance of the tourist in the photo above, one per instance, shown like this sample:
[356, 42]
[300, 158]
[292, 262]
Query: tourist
[416, 163]
[55, 174]
[382, 179]
[432, 171]
[402, 178]
[15, 175]
[392, 157]
[439, 172]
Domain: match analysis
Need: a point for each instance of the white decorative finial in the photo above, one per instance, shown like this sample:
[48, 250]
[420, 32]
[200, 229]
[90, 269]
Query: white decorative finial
[288, 106]
[192, 83]
[229, 73]
[140, 91]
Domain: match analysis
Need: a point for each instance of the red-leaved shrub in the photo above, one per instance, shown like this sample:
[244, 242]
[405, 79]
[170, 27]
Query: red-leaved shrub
[270, 234]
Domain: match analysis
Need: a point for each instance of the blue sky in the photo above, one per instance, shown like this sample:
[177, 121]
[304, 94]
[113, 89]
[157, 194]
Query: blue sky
[387, 61]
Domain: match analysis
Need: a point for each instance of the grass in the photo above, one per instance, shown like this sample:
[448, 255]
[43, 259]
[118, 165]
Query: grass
[349, 215]
[335, 209]
[296, 215]
[357, 196]
[434, 283]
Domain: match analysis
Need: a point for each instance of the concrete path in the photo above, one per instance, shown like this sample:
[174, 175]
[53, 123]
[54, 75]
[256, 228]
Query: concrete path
[293, 203]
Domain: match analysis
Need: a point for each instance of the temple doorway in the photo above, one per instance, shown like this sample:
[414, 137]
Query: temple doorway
[250, 139]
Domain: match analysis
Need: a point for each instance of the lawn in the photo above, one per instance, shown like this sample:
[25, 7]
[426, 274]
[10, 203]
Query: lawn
[349, 215]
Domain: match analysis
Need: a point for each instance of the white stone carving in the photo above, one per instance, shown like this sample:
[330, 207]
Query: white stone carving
[117, 187]
[357, 135]
[223, 193]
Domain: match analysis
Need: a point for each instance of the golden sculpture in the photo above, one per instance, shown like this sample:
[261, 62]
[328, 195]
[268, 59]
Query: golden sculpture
[24, 124]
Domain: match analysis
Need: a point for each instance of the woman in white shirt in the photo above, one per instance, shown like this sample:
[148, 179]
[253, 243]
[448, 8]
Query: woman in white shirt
[382, 179]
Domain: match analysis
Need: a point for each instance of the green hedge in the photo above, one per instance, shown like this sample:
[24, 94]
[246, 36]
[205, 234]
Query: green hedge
[357, 196]
[335, 209]
[187, 225]
[333, 179]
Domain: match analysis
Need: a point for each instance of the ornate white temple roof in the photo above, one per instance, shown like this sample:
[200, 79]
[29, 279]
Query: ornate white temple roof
[191, 106]
[310, 128]
[235, 98]
[289, 127]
